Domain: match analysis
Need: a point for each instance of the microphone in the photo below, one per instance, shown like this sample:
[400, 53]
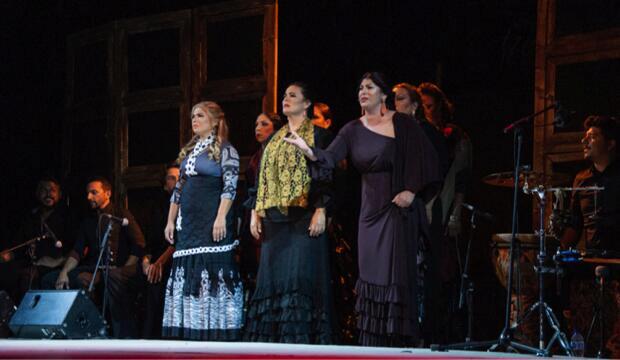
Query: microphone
[122, 221]
[48, 231]
[514, 125]
[482, 214]
[562, 116]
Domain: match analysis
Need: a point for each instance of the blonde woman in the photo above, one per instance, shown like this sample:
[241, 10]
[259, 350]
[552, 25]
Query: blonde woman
[204, 297]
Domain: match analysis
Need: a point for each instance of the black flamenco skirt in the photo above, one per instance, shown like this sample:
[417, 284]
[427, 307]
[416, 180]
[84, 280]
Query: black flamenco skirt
[384, 318]
[292, 301]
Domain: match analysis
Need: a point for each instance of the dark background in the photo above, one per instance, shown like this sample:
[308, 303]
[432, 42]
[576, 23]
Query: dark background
[480, 52]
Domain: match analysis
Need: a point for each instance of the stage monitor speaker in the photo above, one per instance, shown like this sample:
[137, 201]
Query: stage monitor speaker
[7, 308]
[57, 314]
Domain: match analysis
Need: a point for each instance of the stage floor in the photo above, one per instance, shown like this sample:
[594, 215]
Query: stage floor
[168, 349]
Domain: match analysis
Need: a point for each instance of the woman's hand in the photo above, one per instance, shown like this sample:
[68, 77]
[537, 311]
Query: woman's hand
[404, 199]
[295, 139]
[219, 228]
[317, 223]
[256, 225]
[169, 232]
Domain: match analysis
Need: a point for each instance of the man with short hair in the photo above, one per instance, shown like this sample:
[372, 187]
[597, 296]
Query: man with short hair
[126, 244]
[595, 228]
[157, 263]
[596, 215]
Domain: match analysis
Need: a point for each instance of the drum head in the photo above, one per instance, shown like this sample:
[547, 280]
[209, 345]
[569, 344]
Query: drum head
[528, 241]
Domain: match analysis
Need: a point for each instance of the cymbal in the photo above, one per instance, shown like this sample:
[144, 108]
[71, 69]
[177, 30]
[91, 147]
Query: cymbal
[506, 179]
[527, 240]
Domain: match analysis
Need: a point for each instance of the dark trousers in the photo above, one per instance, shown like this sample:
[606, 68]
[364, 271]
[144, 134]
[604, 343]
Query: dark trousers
[123, 285]
[154, 315]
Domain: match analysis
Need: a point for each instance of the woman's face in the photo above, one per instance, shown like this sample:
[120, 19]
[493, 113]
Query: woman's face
[201, 122]
[264, 128]
[402, 102]
[294, 102]
[431, 109]
[370, 95]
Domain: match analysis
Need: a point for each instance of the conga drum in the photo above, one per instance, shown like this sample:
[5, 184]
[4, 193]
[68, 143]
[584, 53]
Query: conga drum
[524, 280]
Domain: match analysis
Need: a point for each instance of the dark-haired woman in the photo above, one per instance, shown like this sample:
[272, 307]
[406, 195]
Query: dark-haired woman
[442, 277]
[204, 295]
[265, 125]
[292, 302]
[407, 101]
[396, 162]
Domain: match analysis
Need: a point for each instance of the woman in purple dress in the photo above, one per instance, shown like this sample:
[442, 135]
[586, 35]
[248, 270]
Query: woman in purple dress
[396, 162]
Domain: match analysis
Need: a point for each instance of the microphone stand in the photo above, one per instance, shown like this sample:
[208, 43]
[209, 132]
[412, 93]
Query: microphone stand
[516, 125]
[466, 291]
[103, 248]
[505, 341]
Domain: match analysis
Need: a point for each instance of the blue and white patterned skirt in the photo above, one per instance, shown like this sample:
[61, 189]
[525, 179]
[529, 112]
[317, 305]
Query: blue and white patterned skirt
[204, 295]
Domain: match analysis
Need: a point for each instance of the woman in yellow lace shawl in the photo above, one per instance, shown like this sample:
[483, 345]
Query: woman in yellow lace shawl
[292, 301]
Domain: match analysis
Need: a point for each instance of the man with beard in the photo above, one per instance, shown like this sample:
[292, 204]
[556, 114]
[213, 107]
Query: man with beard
[50, 218]
[126, 245]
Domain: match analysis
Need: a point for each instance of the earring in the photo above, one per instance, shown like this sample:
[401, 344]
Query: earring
[382, 112]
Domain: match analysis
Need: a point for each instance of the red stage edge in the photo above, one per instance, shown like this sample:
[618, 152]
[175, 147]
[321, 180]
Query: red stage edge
[158, 349]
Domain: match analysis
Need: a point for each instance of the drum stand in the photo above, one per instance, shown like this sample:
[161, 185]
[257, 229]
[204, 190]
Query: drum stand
[601, 278]
[544, 310]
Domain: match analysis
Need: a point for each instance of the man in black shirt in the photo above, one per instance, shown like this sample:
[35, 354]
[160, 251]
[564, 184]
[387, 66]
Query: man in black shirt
[594, 227]
[126, 249]
[595, 221]
[158, 261]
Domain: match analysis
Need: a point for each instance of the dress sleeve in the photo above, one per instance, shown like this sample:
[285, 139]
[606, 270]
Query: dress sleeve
[322, 190]
[178, 188]
[419, 169]
[328, 158]
[230, 171]
[250, 202]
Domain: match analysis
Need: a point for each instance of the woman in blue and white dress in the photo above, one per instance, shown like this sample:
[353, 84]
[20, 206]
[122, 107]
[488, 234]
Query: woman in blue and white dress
[204, 295]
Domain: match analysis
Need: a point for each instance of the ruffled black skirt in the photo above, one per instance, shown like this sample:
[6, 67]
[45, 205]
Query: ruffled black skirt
[292, 302]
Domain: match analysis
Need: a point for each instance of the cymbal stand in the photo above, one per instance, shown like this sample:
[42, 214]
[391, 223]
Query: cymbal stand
[544, 310]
